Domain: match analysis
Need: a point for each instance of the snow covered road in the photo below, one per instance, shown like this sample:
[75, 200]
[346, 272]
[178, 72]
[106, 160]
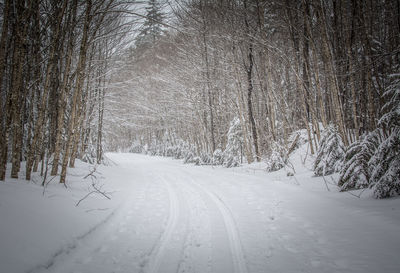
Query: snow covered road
[182, 218]
[171, 222]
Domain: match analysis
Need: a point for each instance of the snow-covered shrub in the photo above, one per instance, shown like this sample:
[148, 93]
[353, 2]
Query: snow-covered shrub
[188, 153]
[391, 108]
[385, 164]
[277, 159]
[205, 159]
[189, 158]
[218, 157]
[90, 154]
[170, 151]
[152, 150]
[160, 150]
[136, 148]
[197, 160]
[231, 162]
[330, 153]
[184, 150]
[355, 173]
[178, 150]
[232, 154]
[375, 160]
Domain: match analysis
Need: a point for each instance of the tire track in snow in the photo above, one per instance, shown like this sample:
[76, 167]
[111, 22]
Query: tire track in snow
[196, 256]
[230, 226]
[158, 251]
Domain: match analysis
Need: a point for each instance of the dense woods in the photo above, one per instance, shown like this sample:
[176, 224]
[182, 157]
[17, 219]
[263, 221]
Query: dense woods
[285, 112]
[54, 58]
[270, 68]
[213, 82]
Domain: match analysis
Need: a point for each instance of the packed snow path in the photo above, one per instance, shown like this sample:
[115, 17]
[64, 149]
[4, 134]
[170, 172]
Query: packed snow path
[181, 218]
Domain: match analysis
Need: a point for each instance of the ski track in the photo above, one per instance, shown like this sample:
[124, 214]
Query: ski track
[182, 245]
[183, 202]
[182, 220]
[186, 243]
[158, 251]
[238, 257]
[196, 256]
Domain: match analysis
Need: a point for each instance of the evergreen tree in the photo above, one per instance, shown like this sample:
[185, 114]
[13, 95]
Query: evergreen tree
[218, 157]
[330, 153]
[356, 172]
[385, 164]
[233, 150]
[152, 26]
[277, 158]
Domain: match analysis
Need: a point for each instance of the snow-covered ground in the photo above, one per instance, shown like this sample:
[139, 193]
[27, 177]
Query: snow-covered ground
[165, 216]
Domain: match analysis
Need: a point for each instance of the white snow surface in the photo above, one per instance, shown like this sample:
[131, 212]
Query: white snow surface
[166, 217]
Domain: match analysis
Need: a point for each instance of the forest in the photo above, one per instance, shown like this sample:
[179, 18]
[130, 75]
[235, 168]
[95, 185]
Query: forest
[199, 136]
[213, 82]
[242, 81]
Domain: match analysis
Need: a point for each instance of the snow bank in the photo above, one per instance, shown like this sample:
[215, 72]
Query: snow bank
[271, 222]
[37, 225]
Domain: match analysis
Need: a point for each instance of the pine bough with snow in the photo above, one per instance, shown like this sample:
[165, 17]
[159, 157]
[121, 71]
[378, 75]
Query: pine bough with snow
[374, 160]
[355, 173]
[330, 153]
[278, 158]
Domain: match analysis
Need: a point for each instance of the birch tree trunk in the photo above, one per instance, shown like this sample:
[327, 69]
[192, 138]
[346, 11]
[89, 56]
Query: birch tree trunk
[64, 90]
[33, 153]
[80, 77]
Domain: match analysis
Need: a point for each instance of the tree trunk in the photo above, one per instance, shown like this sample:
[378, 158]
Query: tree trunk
[241, 112]
[64, 90]
[249, 102]
[38, 136]
[332, 78]
[3, 120]
[22, 23]
[80, 76]
[209, 91]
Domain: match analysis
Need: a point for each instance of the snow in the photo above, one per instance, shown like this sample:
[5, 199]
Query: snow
[165, 216]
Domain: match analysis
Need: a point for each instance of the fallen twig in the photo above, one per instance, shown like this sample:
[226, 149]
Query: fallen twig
[95, 190]
[326, 183]
[91, 172]
[47, 183]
